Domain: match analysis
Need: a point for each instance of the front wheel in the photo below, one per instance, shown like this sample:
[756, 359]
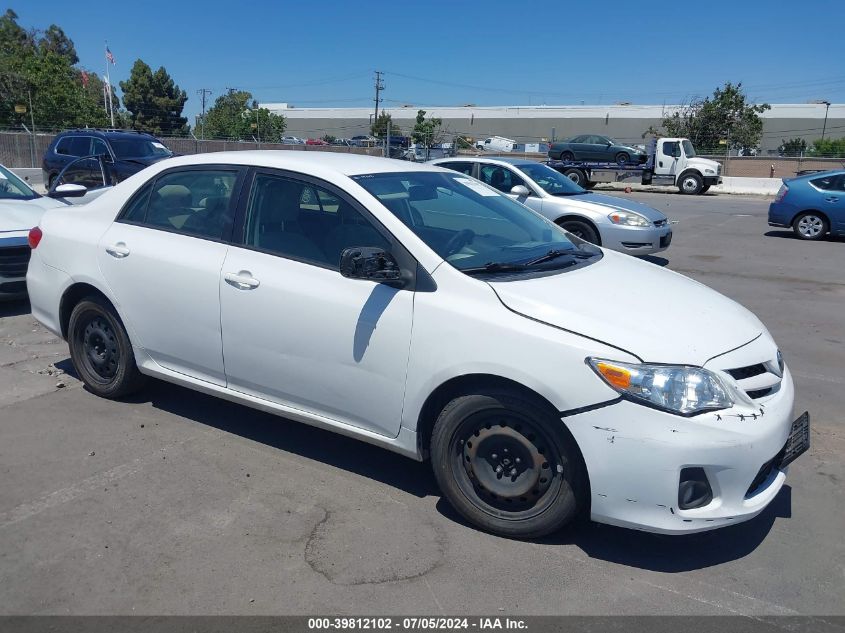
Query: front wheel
[582, 229]
[507, 465]
[810, 226]
[100, 350]
[691, 184]
[567, 157]
[622, 158]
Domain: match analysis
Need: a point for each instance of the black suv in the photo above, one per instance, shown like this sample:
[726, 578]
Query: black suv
[124, 152]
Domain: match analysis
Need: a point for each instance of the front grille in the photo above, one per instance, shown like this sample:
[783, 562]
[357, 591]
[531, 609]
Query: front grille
[760, 393]
[14, 261]
[748, 372]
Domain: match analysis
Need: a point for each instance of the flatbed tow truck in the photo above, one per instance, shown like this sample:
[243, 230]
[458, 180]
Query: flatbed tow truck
[671, 161]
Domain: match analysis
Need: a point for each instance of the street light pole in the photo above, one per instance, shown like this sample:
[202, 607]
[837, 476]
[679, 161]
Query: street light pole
[826, 109]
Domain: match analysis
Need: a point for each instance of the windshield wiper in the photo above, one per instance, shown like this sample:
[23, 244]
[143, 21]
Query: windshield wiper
[554, 254]
[494, 267]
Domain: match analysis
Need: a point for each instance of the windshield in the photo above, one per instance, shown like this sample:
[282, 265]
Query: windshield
[474, 227]
[689, 150]
[13, 188]
[552, 181]
[138, 148]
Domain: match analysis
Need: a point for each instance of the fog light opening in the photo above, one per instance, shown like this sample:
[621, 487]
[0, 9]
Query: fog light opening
[694, 489]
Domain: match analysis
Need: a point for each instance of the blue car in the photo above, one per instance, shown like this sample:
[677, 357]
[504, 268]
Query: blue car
[812, 205]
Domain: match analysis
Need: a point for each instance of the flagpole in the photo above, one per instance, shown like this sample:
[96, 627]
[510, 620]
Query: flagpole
[110, 109]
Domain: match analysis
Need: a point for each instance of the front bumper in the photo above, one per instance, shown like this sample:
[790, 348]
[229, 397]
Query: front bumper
[635, 454]
[634, 240]
[710, 181]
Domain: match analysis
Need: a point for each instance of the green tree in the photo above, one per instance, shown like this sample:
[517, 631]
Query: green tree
[236, 115]
[43, 71]
[726, 116]
[793, 147]
[379, 126]
[154, 101]
[426, 131]
[829, 148]
[55, 41]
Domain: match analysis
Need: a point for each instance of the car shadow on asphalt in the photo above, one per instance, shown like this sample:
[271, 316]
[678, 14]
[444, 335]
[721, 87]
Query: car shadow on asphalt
[286, 435]
[14, 308]
[660, 552]
[788, 234]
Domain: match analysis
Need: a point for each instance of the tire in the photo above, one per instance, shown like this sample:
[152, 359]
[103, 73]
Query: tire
[51, 181]
[582, 229]
[567, 156]
[690, 184]
[810, 225]
[478, 437]
[578, 176]
[101, 351]
[623, 158]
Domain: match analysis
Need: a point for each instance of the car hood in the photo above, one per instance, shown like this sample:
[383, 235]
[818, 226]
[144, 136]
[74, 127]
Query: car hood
[22, 215]
[611, 203]
[653, 313]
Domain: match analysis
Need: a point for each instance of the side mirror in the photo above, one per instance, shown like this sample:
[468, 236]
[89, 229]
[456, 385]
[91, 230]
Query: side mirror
[68, 191]
[370, 262]
[520, 191]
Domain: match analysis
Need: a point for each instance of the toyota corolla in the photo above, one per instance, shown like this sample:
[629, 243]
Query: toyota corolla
[421, 310]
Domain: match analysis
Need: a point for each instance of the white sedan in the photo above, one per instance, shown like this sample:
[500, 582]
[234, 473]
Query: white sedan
[21, 208]
[620, 224]
[423, 311]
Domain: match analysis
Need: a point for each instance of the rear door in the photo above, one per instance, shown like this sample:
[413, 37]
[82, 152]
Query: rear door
[162, 261]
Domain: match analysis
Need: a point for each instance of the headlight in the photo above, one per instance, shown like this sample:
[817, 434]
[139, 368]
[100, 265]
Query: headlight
[628, 218]
[673, 388]
[709, 171]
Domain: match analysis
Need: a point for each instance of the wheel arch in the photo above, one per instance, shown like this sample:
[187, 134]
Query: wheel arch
[581, 218]
[686, 172]
[72, 295]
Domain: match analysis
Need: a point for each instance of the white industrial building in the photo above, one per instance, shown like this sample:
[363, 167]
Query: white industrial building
[527, 124]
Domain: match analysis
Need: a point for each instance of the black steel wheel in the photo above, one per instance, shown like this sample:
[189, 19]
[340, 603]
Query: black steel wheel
[582, 229]
[507, 465]
[100, 349]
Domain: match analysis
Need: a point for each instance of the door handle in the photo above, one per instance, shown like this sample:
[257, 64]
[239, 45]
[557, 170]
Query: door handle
[831, 199]
[118, 250]
[242, 280]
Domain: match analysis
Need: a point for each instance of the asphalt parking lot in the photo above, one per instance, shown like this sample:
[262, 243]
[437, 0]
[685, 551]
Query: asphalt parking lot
[178, 503]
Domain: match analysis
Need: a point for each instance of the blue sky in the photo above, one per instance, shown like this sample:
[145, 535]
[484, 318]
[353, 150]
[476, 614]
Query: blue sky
[486, 52]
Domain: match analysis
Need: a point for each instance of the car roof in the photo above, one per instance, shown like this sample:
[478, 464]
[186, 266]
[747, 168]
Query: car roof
[817, 174]
[339, 163]
[516, 162]
[106, 133]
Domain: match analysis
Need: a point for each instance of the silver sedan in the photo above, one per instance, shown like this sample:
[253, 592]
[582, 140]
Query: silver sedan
[615, 223]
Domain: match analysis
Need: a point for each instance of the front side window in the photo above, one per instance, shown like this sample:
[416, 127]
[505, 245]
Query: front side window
[499, 177]
[195, 202]
[303, 221]
[551, 180]
[98, 147]
[79, 146]
[128, 147]
[473, 227]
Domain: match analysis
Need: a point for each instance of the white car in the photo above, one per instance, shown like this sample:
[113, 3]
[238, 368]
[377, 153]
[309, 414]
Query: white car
[21, 208]
[421, 310]
[620, 224]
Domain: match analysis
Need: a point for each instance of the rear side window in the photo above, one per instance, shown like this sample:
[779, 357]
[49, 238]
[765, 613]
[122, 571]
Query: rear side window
[195, 202]
[830, 182]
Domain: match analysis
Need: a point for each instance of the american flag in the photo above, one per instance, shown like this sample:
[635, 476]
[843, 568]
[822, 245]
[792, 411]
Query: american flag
[109, 56]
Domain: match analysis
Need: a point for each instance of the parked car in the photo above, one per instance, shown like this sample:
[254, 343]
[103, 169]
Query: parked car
[315, 141]
[812, 205]
[620, 224]
[21, 208]
[292, 140]
[127, 152]
[418, 309]
[596, 148]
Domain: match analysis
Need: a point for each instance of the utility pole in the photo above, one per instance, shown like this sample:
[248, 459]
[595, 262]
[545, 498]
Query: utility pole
[379, 88]
[203, 92]
[826, 108]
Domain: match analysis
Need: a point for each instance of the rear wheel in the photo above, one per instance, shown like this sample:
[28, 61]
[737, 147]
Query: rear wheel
[100, 350]
[690, 184]
[810, 225]
[578, 176]
[507, 465]
[582, 229]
